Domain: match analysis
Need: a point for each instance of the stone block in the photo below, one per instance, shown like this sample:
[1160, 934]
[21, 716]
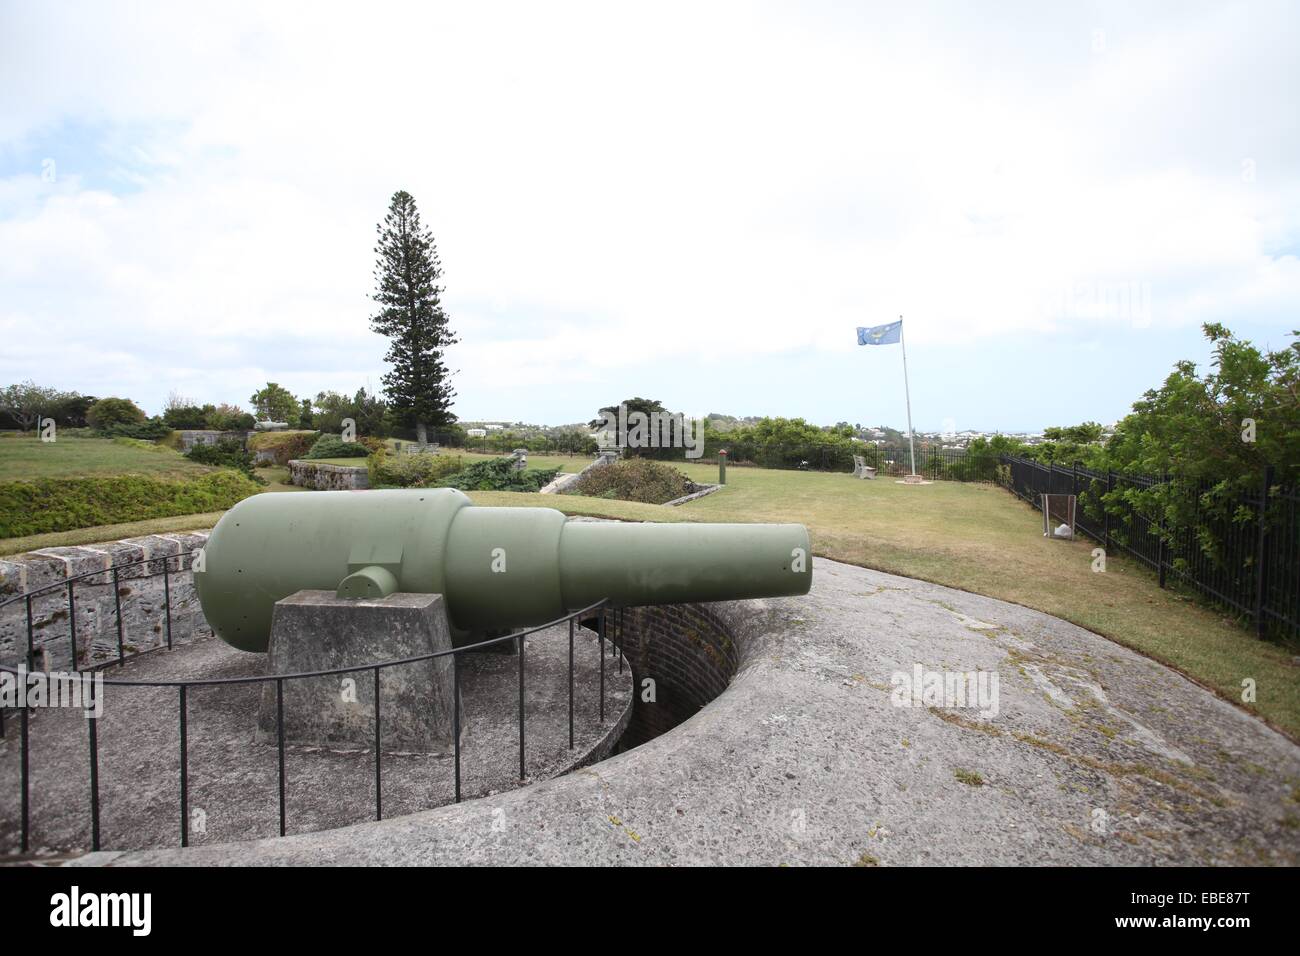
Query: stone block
[315, 631]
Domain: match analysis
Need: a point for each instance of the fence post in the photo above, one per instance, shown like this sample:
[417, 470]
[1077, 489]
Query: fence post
[1105, 512]
[1160, 536]
[1261, 554]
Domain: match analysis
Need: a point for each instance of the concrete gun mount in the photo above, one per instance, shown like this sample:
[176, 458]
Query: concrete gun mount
[497, 568]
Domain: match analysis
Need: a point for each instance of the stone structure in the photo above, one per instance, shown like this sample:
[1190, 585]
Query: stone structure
[316, 631]
[325, 477]
[189, 437]
[140, 592]
[810, 757]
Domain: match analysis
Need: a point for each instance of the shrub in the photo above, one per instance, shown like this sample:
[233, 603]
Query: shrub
[227, 453]
[411, 471]
[187, 416]
[333, 446]
[65, 504]
[230, 418]
[285, 446]
[155, 429]
[634, 479]
[108, 412]
[499, 474]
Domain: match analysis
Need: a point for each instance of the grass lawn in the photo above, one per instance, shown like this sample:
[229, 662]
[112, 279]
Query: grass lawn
[109, 532]
[27, 457]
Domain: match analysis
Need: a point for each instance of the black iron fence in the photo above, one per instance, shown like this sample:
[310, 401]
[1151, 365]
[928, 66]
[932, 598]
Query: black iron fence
[609, 629]
[1239, 550]
[933, 462]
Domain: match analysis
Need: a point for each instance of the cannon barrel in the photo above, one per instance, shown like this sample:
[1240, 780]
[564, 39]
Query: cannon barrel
[497, 568]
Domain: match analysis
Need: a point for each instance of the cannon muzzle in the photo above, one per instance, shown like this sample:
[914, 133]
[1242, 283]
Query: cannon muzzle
[497, 568]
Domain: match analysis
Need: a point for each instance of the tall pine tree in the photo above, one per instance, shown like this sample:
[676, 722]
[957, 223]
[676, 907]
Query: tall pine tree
[411, 315]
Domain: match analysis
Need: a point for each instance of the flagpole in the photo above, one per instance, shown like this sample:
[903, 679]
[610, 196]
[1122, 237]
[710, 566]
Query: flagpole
[907, 392]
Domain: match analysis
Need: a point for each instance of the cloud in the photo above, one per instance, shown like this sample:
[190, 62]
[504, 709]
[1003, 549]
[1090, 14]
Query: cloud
[618, 189]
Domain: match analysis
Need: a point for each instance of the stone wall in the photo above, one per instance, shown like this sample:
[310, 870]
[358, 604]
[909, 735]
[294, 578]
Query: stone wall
[140, 591]
[689, 652]
[189, 437]
[323, 477]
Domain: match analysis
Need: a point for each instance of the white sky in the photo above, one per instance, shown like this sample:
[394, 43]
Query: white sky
[696, 202]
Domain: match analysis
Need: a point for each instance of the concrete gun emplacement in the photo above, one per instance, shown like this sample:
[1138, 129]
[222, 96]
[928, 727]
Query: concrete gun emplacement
[497, 568]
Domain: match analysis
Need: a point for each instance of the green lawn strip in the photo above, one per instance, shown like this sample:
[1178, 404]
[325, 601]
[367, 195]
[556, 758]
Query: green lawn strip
[27, 457]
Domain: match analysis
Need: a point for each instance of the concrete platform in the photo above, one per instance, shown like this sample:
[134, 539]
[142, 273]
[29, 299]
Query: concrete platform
[1096, 756]
[233, 779]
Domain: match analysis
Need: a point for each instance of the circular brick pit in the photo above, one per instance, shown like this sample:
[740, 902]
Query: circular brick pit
[688, 651]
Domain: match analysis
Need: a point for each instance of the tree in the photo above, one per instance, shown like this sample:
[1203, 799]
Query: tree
[107, 412]
[366, 410]
[27, 403]
[411, 315]
[228, 418]
[276, 403]
[1196, 427]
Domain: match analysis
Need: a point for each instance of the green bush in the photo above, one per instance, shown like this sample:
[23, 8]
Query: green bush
[499, 474]
[107, 412]
[227, 453]
[285, 446]
[411, 471]
[333, 446]
[634, 479]
[229, 418]
[187, 416]
[65, 504]
[155, 429]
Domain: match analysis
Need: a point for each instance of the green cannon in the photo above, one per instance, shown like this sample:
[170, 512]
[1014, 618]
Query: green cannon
[497, 568]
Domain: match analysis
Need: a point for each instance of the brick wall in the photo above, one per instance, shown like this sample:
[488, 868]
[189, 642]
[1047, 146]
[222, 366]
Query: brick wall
[688, 650]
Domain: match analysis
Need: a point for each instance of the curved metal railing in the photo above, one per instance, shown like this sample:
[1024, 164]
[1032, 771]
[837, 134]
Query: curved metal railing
[609, 625]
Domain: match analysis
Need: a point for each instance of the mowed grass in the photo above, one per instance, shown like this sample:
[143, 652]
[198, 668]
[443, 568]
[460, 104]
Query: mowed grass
[109, 532]
[27, 457]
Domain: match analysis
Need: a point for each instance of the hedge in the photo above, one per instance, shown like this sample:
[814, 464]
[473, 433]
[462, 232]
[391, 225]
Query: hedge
[65, 504]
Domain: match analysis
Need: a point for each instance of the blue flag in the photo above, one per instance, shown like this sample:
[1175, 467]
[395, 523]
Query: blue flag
[881, 334]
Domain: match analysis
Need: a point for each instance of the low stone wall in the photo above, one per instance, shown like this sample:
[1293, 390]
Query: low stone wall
[700, 492]
[140, 591]
[323, 477]
[190, 437]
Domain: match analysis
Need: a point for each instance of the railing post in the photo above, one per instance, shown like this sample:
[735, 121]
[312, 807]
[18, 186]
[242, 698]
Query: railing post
[522, 774]
[94, 781]
[1261, 555]
[279, 742]
[455, 715]
[570, 683]
[23, 772]
[600, 631]
[379, 787]
[185, 772]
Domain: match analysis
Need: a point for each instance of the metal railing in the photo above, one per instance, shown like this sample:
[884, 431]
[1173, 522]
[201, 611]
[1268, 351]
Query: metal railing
[609, 626]
[1239, 550]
